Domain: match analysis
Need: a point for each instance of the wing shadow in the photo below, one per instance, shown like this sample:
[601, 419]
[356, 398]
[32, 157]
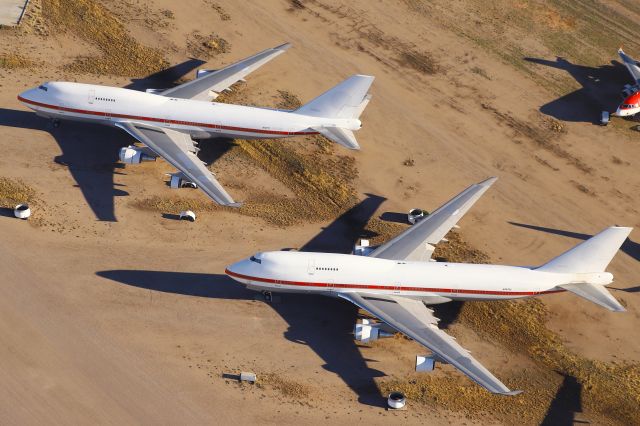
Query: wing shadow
[600, 90]
[90, 151]
[324, 324]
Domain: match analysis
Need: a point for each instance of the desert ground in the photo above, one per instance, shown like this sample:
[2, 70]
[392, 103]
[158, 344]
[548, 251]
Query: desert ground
[114, 312]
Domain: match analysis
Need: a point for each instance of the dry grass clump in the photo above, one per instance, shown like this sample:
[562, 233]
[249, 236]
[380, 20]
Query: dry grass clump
[15, 191]
[458, 251]
[206, 47]
[221, 12]
[422, 62]
[543, 135]
[121, 54]
[382, 231]
[288, 101]
[287, 387]
[14, 61]
[321, 181]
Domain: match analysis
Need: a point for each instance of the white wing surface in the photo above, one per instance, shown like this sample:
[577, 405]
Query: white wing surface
[414, 319]
[207, 87]
[180, 151]
[416, 243]
[631, 64]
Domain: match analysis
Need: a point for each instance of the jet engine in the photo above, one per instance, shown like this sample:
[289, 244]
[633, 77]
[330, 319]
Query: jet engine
[134, 155]
[179, 180]
[367, 331]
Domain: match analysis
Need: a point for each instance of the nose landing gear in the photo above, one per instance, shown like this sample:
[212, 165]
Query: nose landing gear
[268, 297]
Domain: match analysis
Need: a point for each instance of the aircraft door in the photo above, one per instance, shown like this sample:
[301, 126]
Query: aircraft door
[311, 267]
[92, 96]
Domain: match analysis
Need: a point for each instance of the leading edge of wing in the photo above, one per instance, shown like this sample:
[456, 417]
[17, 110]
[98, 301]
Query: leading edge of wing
[400, 312]
[181, 158]
[415, 243]
[222, 79]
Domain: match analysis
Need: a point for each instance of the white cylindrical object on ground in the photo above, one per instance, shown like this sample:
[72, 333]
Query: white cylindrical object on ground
[396, 400]
[22, 211]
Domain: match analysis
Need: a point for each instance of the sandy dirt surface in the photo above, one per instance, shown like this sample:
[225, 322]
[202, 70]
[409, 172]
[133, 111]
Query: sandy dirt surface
[114, 313]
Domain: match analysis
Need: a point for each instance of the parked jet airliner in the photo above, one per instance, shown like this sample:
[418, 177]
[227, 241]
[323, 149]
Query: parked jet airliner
[396, 280]
[165, 121]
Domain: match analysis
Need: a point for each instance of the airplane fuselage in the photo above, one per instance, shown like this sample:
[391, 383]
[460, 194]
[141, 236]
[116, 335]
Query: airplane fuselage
[201, 119]
[432, 282]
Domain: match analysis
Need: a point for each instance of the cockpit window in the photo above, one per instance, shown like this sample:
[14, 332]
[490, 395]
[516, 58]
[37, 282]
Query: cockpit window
[43, 88]
[255, 259]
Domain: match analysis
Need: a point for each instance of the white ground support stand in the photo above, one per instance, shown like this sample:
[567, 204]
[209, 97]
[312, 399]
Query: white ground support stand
[396, 401]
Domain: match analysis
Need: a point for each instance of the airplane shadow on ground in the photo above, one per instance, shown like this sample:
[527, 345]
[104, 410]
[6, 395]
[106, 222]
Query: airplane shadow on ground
[324, 324]
[90, 151]
[600, 91]
[565, 404]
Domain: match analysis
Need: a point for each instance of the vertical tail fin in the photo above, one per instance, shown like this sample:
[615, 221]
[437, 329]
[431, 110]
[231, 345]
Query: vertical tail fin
[588, 261]
[346, 100]
[593, 255]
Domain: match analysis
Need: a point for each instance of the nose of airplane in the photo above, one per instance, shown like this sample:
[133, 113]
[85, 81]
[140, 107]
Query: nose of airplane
[27, 94]
[236, 269]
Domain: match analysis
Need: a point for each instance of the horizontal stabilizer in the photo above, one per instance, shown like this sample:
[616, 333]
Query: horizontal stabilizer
[340, 136]
[595, 293]
[593, 255]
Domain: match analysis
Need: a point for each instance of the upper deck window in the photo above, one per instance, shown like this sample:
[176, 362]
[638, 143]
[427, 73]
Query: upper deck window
[255, 259]
[43, 88]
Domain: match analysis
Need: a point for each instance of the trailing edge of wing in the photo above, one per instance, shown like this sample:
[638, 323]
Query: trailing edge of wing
[178, 149]
[414, 319]
[415, 243]
[208, 86]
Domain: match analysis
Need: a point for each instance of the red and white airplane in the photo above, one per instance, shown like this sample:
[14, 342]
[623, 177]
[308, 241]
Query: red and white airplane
[167, 121]
[395, 281]
[631, 104]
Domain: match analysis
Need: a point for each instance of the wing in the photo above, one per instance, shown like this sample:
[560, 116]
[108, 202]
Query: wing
[631, 64]
[179, 150]
[416, 243]
[414, 319]
[208, 86]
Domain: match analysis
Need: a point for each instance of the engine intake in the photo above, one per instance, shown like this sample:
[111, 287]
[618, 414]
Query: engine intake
[367, 331]
[134, 155]
[178, 180]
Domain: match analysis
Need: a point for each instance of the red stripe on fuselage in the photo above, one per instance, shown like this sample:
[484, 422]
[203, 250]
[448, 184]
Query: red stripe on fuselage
[162, 120]
[392, 288]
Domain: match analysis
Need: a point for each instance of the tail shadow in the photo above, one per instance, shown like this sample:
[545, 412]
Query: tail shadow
[629, 247]
[600, 90]
[565, 404]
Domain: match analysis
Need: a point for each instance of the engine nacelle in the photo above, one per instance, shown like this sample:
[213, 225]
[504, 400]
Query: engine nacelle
[178, 181]
[367, 331]
[134, 155]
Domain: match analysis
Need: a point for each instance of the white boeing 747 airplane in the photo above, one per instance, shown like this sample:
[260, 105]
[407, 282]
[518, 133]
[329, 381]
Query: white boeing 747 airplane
[165, 121]
[395, 281]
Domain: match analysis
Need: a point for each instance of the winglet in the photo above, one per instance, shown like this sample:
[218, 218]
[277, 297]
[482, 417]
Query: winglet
[511, 393]
[234, 205]
[283, 46]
